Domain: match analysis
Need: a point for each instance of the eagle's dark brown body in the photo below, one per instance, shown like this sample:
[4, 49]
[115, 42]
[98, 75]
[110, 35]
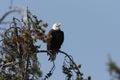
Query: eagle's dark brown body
[55, 42]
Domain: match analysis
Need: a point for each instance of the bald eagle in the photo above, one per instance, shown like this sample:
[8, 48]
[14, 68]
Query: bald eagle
[55, 40]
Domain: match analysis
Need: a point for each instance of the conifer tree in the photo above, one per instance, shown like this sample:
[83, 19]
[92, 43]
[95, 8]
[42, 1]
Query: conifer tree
[18, 49]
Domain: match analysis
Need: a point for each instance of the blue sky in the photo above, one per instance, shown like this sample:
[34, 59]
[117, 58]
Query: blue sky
[91, 27]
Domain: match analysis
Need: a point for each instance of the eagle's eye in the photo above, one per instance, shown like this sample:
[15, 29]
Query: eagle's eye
[57, 26]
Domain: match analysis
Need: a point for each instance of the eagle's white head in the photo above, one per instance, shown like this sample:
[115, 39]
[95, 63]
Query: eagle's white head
[56, 26]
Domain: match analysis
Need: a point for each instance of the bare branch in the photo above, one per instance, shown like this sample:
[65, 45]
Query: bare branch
[17, 9]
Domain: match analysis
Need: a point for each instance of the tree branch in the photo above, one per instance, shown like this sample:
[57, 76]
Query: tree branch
[18, 10]
[7, 64]
[79, 74]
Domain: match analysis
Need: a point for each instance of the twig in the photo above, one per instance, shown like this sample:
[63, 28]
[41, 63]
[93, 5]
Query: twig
[19, 10]
[11, 3]
[50, 72]
[43, 51]
[7, 64]
[78, 71]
